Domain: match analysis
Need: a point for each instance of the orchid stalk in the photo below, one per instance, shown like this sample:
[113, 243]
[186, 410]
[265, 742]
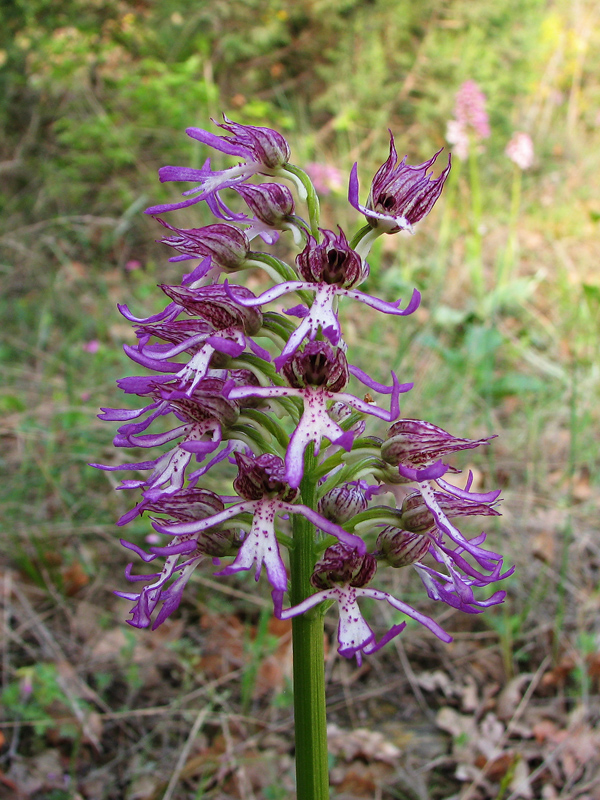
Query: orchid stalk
[304, 514]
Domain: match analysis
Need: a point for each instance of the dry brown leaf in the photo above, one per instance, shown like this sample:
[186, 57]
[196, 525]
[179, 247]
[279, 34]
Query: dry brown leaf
[361, 743]
[543, 546]
[75, 578]
[510, 697]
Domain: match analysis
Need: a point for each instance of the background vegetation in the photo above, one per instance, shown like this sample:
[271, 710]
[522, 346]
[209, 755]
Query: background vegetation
[94, 97]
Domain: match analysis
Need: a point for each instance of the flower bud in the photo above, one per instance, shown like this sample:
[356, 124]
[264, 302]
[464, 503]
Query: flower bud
[271, 203]
[217, 542]
[401, 548]
[343, 502]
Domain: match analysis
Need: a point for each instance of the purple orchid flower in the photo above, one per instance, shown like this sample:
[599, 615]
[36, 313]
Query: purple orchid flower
[317, 376]
[265, 493]
[273, 207]
[413, 446]
[227, 246]
[194, 548]
[342, 574]
[263, 150]
[202, 414]
[225, 328]
[330, 269]
[400, 194]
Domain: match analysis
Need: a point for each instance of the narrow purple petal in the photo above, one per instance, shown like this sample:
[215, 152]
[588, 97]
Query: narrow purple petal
[378, 387]
[431, 472]
[381, 305]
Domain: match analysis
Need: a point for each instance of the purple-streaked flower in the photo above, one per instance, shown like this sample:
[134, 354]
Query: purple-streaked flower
[263, 151]
[342, 574]
[202, 414]
[317, 375]
[330, 269]
[343, 502]
[213, 542]
[417, 518]
[273, 207]
[415, 443]
[401, 195]
[318, 365]
[520, 150]
[227, 246]
[417, 447]
[420, 534]
[223, 330]
[266, 493]
[332, 262]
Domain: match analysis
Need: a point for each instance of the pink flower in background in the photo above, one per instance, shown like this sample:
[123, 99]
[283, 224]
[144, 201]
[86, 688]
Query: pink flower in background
[326, 179]
[133, 264]
[92, 346]
[458, 137]
[520, 150]
[470, 119]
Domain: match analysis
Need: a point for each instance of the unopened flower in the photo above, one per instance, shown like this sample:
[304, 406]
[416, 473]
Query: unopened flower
[400, 194]
[520, 150]
[263, 151]
[401, 548]
[273, 207]
[344, 502]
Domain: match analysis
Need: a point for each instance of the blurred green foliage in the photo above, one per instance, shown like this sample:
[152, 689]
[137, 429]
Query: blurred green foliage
[94, 96]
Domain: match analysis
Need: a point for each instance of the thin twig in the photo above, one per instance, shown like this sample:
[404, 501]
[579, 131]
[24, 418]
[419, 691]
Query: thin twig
[185, 751]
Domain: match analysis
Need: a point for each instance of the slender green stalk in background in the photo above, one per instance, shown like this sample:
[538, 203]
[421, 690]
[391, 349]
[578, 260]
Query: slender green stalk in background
[475, 260]
[509, 257]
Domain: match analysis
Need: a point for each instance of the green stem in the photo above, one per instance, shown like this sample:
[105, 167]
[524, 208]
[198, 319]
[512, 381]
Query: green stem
[476, 263]
[509, 259]
[307, 189]
[310, 722]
